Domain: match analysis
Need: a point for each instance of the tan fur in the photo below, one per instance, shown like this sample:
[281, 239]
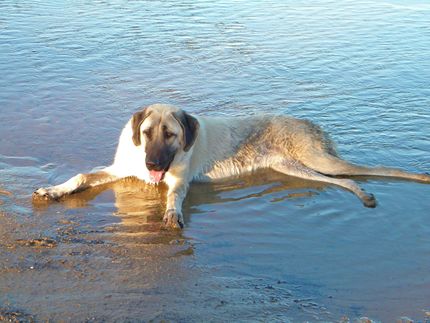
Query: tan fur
[225, 147]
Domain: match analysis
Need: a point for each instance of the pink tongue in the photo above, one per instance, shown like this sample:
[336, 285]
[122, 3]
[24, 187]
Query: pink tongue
[156, 175]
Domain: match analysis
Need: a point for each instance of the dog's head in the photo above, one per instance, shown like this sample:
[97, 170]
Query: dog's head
[164, 132]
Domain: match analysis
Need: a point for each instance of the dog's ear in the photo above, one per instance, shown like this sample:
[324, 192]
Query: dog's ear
[136, 122]
[190, 127]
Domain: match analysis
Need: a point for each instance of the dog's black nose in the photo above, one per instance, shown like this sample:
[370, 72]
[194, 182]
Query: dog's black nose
[153, 165]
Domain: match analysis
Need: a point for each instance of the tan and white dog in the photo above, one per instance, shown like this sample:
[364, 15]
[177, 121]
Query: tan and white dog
[164, 143]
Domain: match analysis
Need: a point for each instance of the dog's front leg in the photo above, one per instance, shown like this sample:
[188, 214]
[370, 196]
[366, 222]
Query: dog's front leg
[176, 193]
[77, 183]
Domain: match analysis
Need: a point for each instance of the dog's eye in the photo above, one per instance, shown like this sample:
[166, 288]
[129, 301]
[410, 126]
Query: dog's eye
[147, 133]
[169, 135]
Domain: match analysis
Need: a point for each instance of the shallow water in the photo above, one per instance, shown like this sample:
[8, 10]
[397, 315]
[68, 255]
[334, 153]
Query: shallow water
[260, 248]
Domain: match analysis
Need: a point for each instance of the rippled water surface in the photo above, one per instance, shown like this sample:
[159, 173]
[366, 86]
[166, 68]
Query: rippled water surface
[259, 248]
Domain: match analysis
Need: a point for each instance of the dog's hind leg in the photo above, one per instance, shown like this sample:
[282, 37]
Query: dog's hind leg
[331, 165]
[75, 184]
[297, 169]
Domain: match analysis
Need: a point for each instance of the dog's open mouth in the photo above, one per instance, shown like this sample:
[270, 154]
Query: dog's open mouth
[156, 176]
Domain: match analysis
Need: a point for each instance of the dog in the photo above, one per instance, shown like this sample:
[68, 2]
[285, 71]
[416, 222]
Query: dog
[162, 143]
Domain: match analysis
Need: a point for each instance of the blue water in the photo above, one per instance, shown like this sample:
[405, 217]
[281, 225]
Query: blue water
[72, 73]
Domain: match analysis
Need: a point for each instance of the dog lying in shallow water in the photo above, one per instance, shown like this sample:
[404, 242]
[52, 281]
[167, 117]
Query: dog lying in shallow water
[164, 143]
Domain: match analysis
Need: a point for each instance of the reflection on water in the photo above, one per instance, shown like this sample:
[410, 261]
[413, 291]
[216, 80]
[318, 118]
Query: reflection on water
[140, 262]
[263, 247]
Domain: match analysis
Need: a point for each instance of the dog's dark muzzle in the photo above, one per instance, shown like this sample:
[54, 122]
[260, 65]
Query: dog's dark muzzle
[159, 159]
[156, 165]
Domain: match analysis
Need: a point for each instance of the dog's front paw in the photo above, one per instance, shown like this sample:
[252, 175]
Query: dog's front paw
[48, 193]
[173, 219]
